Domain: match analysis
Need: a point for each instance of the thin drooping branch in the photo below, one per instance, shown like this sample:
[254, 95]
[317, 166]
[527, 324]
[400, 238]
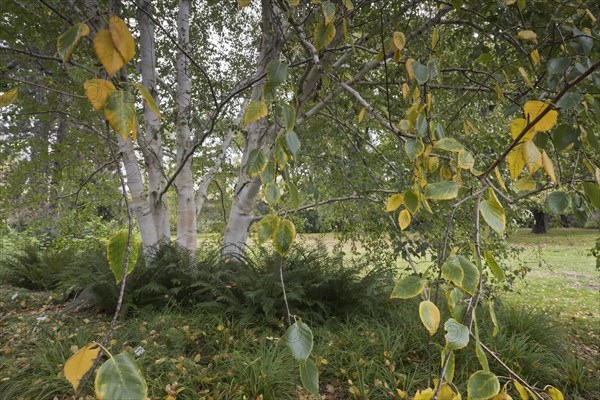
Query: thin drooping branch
[539, 117]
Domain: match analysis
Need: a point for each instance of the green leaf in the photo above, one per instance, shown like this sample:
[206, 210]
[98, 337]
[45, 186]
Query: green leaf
[115, 252]
[569, 100]
[269, 173]
[7, 98]
[420, 71]
[462, 272]
[494, 266]
[445, 190]
[328, 11]
[256, 110]
[457, 335]
[284, 237]
[267, 227]
[119, 112]
[256, 163]
[148, 98]
[592, 192]
[432, 69]
[293, 194]
[421, 125]
[450, 368]
[455, 297]
[414, 148]
[309, 375]
[558, 65]
[272, 193]
[466, 160]
[558, 202]
[120, 378]
[411, 200]
[299, 339]
[269, 91]
[408, 287]
[324, 34]
[277, 72]
[449, 144]
[493, 212]
[67, 42]
[493, 317]
[281, 154]
[292, 143]
[430, 316]
[483, 385]
[288, 113]
[563, 136]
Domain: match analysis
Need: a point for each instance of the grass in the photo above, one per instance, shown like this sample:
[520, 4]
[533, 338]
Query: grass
[554, 340]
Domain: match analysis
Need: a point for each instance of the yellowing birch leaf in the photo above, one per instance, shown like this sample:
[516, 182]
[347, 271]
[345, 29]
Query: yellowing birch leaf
[527, 35]
[404, 219]
[535, 57]
[255, 111]
[107, 53]
[67, 42]
[324, 34]
[9, 97]
[548, 166]
[532, 156]
[499, 177]
[525, 77]
[430, 316]
[405, 90]
[516, 163]
[148, 98]
[122, 38]
[361, 114]
[97, 91]
[120, 113]
[517, 126]
[246, 3]
[398, 40]
[534, 108]
[80, 363]
[409, 69]
[394, 202]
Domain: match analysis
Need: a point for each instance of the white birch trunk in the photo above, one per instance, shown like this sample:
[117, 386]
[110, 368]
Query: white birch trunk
[151, 143]
[258, 135]
[184, 183]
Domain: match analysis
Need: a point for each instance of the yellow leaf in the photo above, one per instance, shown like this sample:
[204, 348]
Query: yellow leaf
[394, 202]
[430, 316]
[527, 35]
[517, 126]
[426, 394]
[526, 184]
[502, 396]
[398, 40]
[107, 53]
[122, 38]
[361, 114]
[499, 177]
[532, 156]
[429, 98]
[255, 111]
[534, 108]
[148, 99]
[554, 393]
[409, 69]
[80, 363]
[525, 77]
[405, 90]
[97, 91]
[521, 390]
[535, 57]
[246, 3]
[9, 97]
[515, 162]
[404, 219]
[548, 166]
[446, 392]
